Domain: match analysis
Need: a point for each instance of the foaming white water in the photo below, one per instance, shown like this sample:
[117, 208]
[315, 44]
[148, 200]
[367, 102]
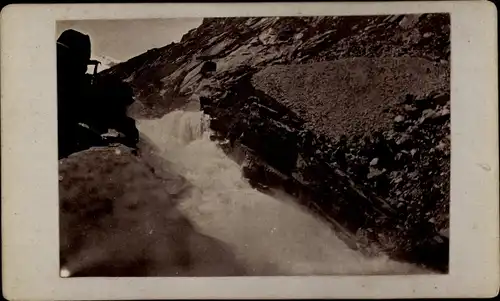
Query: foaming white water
[271, 236]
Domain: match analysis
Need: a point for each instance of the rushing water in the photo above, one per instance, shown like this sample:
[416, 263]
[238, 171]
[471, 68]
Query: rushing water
[271, 235]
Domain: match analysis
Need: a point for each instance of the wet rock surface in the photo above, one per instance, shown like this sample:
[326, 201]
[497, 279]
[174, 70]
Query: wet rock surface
[349, 114]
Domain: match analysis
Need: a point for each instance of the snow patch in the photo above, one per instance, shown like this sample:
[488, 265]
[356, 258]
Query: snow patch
[106, 63]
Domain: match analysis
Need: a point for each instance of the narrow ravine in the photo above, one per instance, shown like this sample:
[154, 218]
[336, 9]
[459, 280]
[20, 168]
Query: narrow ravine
[270, 235]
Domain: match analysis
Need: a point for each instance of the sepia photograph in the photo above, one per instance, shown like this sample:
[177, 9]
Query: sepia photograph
[250, 150]
[254, 146]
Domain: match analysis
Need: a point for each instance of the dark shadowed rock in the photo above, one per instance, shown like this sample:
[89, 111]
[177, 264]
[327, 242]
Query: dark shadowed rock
[235, 42]
[118, 218]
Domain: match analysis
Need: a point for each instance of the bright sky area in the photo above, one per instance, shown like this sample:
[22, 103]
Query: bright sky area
[124, 39]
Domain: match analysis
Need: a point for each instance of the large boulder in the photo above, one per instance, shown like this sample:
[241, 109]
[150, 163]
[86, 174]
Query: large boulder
[118, 218]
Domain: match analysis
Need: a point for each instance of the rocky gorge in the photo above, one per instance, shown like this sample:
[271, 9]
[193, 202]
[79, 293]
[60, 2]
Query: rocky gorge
[350, 115]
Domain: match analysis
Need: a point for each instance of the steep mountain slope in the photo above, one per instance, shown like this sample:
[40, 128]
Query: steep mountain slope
[348, 114]
[235, 43]
[106, 62]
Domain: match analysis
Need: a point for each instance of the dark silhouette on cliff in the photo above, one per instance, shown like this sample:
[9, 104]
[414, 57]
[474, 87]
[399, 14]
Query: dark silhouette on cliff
[87, 105]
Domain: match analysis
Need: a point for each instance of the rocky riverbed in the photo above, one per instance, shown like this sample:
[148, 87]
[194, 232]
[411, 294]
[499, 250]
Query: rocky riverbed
[350, 115]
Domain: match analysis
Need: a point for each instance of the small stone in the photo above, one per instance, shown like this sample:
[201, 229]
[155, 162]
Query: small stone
[409, 21]
[413, 152]
[391, 133]
[413, 175]
[428, 113]
[402, 139]
[399, 118]
[374, 172]
[118, 151]
[409, 108]
[398, 156]
[374, 162]
[61, 178]
[441, 146]
[393, 18]
[444, 112]
[442, 99]
[428, 35]
[432, 220]
[445, 232]
[438, 239]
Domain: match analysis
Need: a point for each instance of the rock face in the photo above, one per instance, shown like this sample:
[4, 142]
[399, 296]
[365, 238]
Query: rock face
[163, 76]
[349, 114]
[104, 212]
[391, 185]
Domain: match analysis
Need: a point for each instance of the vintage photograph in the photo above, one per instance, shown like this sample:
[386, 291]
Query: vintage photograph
[254, 146]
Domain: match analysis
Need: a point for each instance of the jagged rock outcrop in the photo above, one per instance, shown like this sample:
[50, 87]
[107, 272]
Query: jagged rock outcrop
[349, 114]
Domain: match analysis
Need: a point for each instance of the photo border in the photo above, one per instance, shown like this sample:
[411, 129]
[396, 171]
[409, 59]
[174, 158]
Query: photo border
[30, 212]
